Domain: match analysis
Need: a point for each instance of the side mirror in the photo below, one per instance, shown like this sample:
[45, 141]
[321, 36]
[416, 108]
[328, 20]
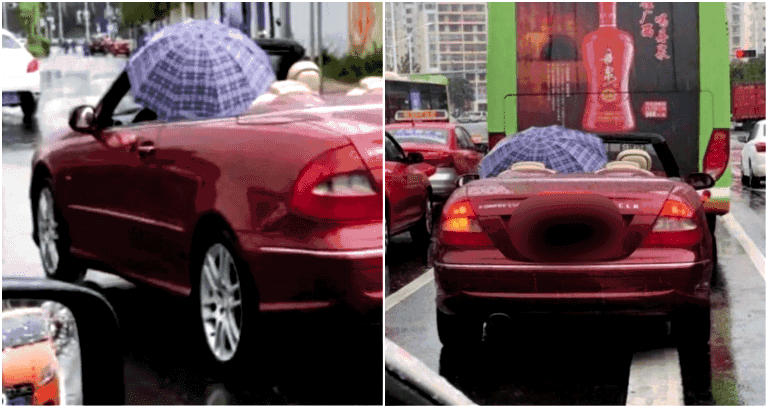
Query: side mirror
[700, 180]
[466, 178]
[481, 147]
[74, 330]
[82, 119]
[742, 138]
[415, 157]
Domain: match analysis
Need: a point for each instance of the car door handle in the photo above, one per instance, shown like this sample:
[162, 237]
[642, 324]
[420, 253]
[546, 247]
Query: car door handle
[146, 149]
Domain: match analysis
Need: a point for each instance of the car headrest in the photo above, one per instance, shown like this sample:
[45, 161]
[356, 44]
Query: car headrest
[368, 85]
[641, 157]
[528, 165]
[306, 72]
[621, 165]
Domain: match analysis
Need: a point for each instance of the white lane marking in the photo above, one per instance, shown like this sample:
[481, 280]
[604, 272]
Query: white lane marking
[735, 229]
[409, 289]
[655, 378]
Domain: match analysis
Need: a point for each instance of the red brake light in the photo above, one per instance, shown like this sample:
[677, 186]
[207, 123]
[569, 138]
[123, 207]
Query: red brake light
[760, 147]
[674, 227]
[461, 228]
[337, 186]
[718, 149]
[33, 66]
[444, 160]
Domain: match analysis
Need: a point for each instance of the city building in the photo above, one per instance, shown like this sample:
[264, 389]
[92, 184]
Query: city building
[445, 38]
[746, 27]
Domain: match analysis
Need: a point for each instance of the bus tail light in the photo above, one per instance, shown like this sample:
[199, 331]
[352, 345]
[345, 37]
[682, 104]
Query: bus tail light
[718, 150]
[459, 226]
[337, 186]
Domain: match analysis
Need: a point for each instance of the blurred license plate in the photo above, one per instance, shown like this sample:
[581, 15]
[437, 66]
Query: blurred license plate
[10, 98]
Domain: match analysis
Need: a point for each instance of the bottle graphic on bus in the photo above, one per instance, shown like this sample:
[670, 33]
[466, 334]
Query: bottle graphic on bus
[608, 55]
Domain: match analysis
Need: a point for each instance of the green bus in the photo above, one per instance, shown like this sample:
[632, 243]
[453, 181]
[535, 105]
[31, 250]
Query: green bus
[617, 68]
[414, 92]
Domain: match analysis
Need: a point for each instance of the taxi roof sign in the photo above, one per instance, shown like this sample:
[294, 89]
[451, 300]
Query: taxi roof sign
[414, 115]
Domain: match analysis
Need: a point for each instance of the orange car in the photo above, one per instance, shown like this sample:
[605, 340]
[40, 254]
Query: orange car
[30, 367]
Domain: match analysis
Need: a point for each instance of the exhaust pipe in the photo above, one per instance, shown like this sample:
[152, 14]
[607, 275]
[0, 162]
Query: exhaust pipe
[498, 326]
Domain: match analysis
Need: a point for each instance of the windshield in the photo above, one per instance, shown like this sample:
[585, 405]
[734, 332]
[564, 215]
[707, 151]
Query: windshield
[421, 136]
[9, 42]
[24, 329]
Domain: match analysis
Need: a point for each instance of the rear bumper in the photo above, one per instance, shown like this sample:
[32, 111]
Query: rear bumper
[613, 289]
[308, 280]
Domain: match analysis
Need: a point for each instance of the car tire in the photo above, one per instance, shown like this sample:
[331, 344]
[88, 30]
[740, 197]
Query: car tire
[458, 331]
[754, 181]
[422, 231]
[225, 303]
[53, 240]
[691, 328]
[28, 105]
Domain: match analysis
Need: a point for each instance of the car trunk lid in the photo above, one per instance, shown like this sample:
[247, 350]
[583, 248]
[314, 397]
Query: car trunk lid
[567, 218]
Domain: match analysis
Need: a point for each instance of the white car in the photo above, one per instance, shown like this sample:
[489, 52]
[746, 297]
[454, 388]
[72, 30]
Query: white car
[753, 155]
[20, 76]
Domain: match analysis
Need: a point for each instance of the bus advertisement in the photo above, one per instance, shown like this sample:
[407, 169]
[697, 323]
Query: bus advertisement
[414, 92]
[617, 68]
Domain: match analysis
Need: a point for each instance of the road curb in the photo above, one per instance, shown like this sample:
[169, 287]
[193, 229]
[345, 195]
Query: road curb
[655, 378]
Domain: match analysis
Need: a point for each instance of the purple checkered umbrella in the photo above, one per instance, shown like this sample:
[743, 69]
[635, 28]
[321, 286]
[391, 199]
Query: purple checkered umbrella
[199, 69]
[561, 149]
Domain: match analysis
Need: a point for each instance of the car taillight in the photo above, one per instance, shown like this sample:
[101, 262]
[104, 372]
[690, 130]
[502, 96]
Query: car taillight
[33, 66]
[760, 147]
[674, 227]
[718, 149]
[459, 226]
[337, 186]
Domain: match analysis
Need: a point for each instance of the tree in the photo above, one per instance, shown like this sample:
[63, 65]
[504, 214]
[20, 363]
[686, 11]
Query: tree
[461, 92]
[138, 13]
[405, 65]
[750, 71]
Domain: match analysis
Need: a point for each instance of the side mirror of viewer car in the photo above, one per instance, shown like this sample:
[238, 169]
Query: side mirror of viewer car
[700, 180]
[81, 119]
[76, 332]
[466, 178]
[408, 381]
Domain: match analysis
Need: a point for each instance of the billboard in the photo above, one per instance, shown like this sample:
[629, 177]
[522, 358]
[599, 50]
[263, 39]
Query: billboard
[611, 68]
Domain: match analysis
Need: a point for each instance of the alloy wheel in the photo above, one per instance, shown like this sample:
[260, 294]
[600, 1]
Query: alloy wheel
[221, 302]
[47, 232]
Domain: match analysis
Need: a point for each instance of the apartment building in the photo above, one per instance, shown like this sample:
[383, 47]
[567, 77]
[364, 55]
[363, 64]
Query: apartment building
[746, 26]
[445, 38]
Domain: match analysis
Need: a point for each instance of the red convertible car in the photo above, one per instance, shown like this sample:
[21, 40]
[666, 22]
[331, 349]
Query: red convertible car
[408, 205]
[447, 146]
[629, 239]
[255, 214]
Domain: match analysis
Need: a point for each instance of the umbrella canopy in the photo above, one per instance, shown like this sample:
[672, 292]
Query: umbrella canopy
[561, 149]
[199, 69]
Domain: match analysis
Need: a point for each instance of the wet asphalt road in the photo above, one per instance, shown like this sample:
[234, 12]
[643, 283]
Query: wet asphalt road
[316, 360]
[580, 361]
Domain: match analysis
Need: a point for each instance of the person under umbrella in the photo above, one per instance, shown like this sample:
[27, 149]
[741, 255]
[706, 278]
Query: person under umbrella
[199, 69]
[560, 149]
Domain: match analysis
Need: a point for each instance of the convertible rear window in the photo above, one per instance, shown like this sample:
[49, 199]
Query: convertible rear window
[421, 136]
